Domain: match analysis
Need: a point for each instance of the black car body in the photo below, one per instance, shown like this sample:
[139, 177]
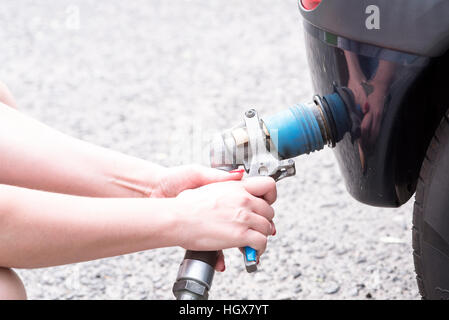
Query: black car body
[394, 57]
[408, 56]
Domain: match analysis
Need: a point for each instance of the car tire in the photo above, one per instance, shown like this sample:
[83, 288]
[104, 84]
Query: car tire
[431, 218]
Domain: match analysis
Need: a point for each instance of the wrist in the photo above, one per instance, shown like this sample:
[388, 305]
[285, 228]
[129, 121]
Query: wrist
[379, 84]
[140, 179]
[157, 222]
[176, 225]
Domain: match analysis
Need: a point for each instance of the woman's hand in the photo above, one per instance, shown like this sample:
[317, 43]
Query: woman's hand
[173, 181]
[226, 215]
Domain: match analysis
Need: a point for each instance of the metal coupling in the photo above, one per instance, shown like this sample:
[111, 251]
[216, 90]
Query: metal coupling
[194, 280]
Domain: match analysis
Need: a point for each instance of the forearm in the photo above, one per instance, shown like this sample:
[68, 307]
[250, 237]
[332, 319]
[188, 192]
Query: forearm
[36, 156]
[384, 74]
[40, 229]
[354, 69]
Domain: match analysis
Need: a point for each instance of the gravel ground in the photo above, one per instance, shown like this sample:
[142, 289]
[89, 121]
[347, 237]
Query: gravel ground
[154, 79]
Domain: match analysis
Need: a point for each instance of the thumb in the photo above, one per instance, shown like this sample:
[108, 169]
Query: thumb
[220, 265]
[210, 175]
[262, 186]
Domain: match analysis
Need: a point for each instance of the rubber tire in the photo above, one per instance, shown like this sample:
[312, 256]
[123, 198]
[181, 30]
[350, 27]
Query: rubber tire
[431, 218]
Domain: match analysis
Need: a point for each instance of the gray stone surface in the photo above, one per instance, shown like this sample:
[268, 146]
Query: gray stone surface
[154, 79]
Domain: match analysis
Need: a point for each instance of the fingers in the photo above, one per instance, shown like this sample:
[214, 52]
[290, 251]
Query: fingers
[220, 265]
[365, 108]
[263, 240]
[375, 127]
[257, 241]
[262, 208]
[366, 128]
[264, 187]
[210, 175]
[257, 223]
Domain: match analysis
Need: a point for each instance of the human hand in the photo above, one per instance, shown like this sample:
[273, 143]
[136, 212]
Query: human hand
[370, 125]
[227, 214]
[359, 91]
[174, 180]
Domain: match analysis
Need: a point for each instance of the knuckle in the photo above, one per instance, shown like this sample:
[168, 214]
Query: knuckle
[244, 200]
[242, 216]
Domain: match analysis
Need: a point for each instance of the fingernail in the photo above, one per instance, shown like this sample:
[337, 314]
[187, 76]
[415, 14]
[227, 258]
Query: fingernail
[237, 171]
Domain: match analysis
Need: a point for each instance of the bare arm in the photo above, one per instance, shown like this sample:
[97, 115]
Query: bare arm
[44, 228]
[40, 229]
[34, 155]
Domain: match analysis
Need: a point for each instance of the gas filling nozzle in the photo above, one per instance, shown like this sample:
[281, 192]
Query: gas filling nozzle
[264, 147]
[300, 129]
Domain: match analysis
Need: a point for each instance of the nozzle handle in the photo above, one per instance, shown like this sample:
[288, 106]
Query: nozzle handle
[195, 275]
[209, 257]
[250, 258]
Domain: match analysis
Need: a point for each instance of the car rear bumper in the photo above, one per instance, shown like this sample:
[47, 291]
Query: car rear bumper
[413, 26]
[371, 156]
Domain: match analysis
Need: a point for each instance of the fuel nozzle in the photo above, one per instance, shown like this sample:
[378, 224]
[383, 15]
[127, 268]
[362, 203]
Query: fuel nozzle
[264, 147]
[300, 129]
[308, 127]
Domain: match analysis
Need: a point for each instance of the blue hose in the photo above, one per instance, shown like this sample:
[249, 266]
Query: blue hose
[296, 130]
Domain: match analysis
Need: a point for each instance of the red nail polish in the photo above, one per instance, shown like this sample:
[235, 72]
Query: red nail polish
[237, 171]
